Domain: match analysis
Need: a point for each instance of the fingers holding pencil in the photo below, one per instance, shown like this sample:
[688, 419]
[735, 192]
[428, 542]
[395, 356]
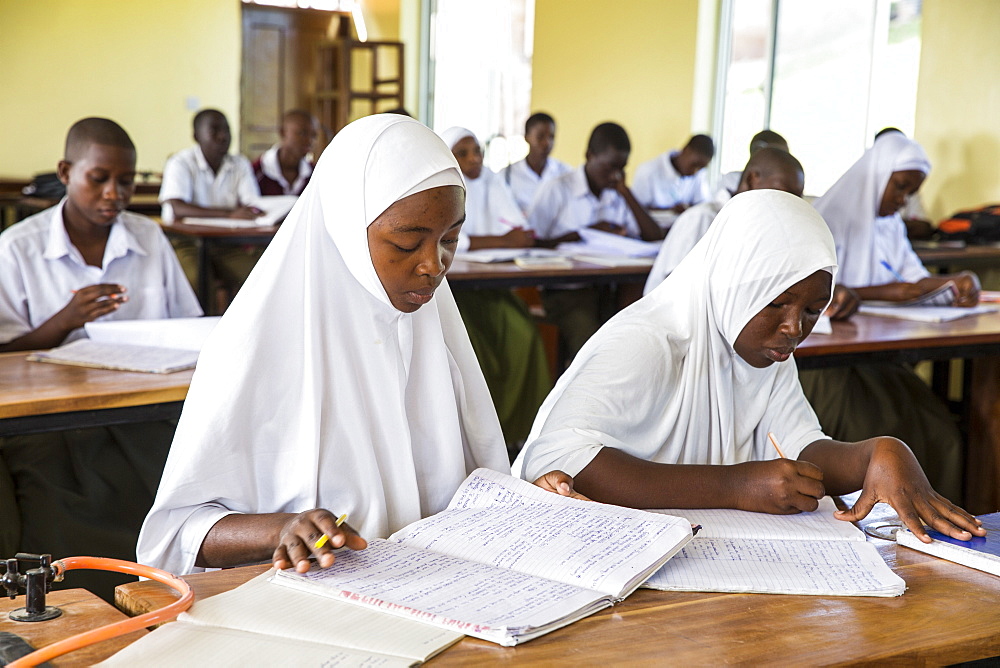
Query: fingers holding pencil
[314, 533]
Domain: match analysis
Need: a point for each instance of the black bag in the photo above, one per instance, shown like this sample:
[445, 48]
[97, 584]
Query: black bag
[981, 226]
[45, 186]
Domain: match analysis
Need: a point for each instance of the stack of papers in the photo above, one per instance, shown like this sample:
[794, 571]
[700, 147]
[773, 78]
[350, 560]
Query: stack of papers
[275, 209]
[118, 357]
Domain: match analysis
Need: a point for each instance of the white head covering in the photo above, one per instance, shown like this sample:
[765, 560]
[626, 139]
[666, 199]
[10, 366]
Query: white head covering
[490, 207]
[851, 205]
[313, 390]
[662, 381]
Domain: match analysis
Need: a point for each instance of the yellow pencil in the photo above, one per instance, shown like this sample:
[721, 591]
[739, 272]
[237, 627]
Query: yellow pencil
[777, 447]
[322, 539]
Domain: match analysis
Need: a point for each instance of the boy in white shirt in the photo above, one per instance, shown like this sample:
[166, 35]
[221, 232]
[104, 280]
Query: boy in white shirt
[673, 181]
[525, 176]
[85, 491]
[594, 195]
[205, 181]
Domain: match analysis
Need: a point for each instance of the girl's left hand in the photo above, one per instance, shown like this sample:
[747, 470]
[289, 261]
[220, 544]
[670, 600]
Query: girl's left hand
[894, 476]
[559, 483]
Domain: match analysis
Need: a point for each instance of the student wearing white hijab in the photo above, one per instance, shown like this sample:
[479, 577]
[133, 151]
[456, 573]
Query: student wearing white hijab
[341, 378]
[877, 261]
[670, 404]
[502, 330]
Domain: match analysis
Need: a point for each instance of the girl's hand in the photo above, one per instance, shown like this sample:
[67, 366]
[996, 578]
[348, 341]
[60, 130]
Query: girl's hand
[894, 476]
[559, 483]
[778, 486]
[298, 539]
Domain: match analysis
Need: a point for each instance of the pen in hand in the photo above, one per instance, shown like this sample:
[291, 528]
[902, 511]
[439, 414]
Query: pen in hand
[895, 274]
[774, 442]
[324, 538]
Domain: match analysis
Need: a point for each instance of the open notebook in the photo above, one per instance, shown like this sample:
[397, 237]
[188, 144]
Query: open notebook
[118, 356]
[505, 562]
[807, 553]
[258, 624]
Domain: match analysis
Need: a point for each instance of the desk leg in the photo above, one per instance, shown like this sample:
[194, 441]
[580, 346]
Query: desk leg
[982, 461]
[204, 278]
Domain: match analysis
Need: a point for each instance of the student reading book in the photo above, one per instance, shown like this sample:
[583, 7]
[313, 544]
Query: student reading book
[505, 562]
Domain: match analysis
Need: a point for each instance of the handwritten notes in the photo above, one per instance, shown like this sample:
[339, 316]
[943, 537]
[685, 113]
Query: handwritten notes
[506, 561]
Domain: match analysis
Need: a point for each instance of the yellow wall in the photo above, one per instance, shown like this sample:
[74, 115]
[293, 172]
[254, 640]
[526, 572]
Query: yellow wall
[958, 104]
[630, 61]
[135, 61]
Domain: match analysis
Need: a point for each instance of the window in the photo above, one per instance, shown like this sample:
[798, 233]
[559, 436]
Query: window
[480, 55]
[825, 75]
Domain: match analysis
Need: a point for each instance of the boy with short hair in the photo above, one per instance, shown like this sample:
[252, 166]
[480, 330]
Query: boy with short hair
[675, 180]
[206, 181]
[763, 139]
[525, 176]
[285, 168]
[85, 491]
[593, 195]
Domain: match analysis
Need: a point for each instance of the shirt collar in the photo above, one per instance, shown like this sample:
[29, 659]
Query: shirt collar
[272, 169]
[58, 245]
[580, 186]
[203, 165]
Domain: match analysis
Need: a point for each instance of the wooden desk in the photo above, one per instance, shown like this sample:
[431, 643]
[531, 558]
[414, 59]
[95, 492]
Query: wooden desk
[508, 275]
[867, 338]
[82, 611]
[948, 614]
[205, 237]
[948, 258]
[37, 397]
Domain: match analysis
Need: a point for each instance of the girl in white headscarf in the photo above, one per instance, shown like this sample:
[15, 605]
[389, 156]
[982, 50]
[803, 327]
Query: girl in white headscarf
[877, 261]
[341, 379]
[670, 404]
[502, 330]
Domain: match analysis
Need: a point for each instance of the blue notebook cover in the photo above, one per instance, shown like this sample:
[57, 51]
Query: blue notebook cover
[989, 544]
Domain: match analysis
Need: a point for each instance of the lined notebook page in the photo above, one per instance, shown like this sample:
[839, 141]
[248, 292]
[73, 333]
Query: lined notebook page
[463, 595]
[183, 645]
[121, 357]
[512, 524]
[817, 525]
[258, 606]
[836, 568]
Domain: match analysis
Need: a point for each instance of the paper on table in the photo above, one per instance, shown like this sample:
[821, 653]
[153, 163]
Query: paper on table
[822, 568]
[806, 553]
[118, 356]
[820, 524]
[927, 313]
[183, 645]
[178, 333]
[275, 209]
[493, 255]
[943, 295]
[606, 243]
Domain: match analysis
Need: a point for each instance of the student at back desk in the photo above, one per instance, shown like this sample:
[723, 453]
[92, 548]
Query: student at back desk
[205, 181]
[284, 169]
[85, 491]
[525, 176]
[593, 195]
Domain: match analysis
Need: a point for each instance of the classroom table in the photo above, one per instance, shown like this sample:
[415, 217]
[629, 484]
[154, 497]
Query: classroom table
[206, 237]
[948, 614]
[949, 257]
[470, 275]
[38, 397]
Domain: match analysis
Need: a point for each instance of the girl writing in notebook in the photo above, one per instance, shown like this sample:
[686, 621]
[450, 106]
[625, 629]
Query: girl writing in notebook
[341, 379]
[877, 261]
[670, 404]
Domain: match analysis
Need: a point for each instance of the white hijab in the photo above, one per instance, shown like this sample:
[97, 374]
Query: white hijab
[850, 207]
[313, 390]
[490, 208]
[661, 380]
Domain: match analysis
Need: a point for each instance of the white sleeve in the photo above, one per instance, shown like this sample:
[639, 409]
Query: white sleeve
[14, 316]
[911, 268]
[788, 415]
[247, 188]
[544, 212]
[642, 184]
[178, 183]
[181, 300]
[701, 193]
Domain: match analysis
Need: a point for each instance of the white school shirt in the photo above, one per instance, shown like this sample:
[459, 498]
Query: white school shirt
[893, 246]
[524, 182]
[565, 204]
[657, 185]
[40, 268]
[272, 169]
[661, 380]
[687, 230]
[188, 177]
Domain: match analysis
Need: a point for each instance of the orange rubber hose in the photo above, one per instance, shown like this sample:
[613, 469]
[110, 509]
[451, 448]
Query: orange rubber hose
[86, 638]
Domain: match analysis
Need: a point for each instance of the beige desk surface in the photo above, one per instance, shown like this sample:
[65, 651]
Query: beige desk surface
[35, 388]
[948, 614]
